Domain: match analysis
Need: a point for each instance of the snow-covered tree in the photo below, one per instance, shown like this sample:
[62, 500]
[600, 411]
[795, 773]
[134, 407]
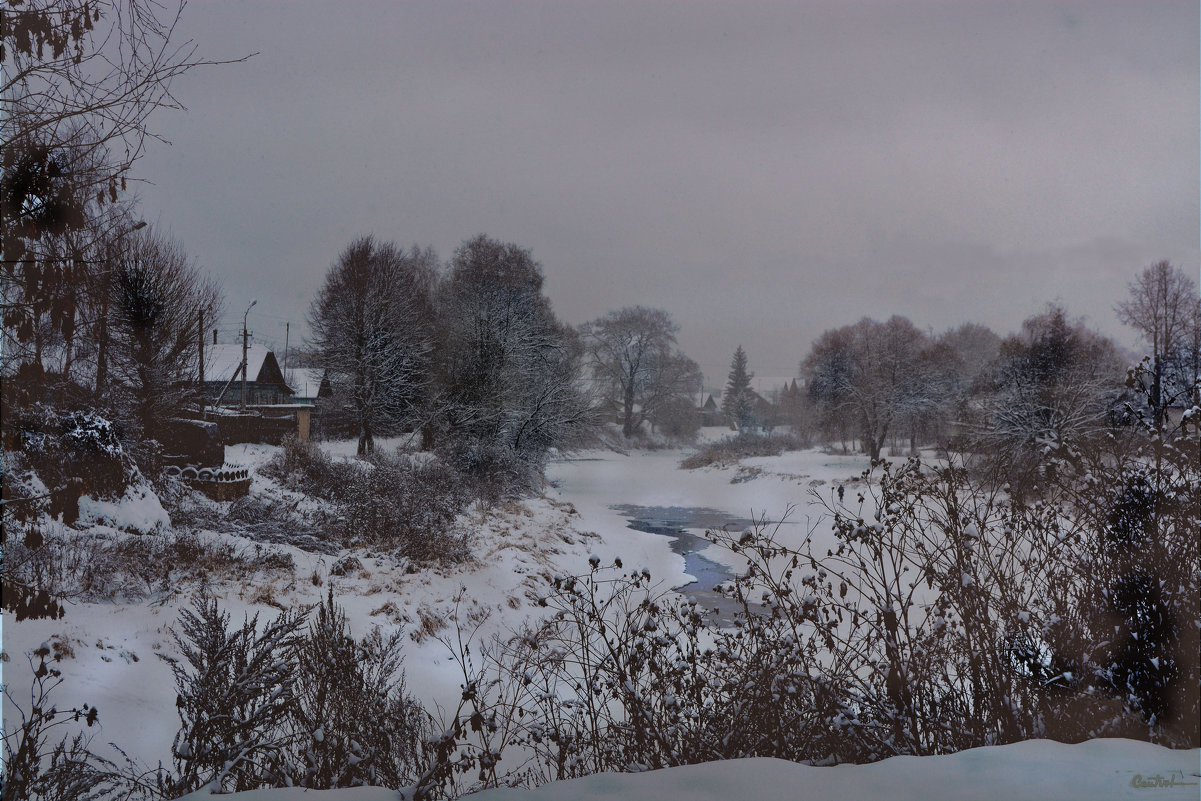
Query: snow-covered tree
[634, 362]
[1164, 307]
[155, 294]
[868, 376]
[1056, 381]
[508, 370]
[737, 404]
[371, 325]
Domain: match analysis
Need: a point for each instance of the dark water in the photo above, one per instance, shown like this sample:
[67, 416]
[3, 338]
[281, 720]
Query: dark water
[686, 526]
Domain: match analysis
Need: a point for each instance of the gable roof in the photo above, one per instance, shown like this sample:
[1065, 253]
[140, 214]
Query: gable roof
[222, 361]
[306, 381]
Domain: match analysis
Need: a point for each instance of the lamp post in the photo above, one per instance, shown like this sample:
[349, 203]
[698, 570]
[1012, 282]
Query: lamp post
[245, 344]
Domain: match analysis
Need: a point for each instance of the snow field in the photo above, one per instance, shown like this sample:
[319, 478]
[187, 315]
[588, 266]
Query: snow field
[1113, 770]
[110, 648]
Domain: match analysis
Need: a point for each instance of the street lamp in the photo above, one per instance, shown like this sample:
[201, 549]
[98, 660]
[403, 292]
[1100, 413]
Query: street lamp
[245, 343]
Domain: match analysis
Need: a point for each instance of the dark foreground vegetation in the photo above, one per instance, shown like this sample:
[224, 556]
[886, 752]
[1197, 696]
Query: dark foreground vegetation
[1041, 580]
[946, 615]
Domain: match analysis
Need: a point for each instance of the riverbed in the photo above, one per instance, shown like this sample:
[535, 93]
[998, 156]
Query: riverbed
[625, 497]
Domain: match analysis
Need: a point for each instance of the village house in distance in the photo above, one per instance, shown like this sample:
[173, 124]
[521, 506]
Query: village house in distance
[222, 382]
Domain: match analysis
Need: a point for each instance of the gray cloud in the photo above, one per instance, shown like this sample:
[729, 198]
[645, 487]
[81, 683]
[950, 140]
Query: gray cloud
[763, 171]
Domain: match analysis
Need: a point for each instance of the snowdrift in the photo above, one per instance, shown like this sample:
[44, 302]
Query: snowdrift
[1036, 769]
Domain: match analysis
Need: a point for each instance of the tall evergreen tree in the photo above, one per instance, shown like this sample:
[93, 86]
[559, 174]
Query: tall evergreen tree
[738, 402]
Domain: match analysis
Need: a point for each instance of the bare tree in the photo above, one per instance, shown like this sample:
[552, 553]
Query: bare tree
[508, 369]
[870, 374]
[976, 347]
[1163, 306]
[155, 293]
[80, 81]
[1054, 383]
[56, 270]
[370, 324]
[81, 76]
[633, 359]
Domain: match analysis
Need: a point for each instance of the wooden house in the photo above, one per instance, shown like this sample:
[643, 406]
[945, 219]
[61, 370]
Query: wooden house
[223, 376]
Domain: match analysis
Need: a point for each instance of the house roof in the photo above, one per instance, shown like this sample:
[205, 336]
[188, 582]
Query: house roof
[221, 361]
[305, 381]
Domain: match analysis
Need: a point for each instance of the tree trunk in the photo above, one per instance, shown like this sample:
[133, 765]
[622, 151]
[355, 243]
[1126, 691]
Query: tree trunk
[1156, 394]
[627, 427]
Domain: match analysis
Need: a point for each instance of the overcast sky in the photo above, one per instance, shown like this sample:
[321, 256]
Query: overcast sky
[762, 171]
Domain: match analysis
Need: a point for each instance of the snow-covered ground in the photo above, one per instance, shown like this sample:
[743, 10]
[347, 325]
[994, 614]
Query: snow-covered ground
[757, 488]
[111, 648]
[1036, 769]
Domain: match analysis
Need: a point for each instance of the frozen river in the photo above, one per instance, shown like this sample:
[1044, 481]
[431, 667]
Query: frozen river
[624, 496]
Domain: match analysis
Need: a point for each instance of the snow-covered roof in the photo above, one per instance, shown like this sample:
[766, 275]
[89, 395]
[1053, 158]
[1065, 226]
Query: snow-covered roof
[220, 361]
[305, 381]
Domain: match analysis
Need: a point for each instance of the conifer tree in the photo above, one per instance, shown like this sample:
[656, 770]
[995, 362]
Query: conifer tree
[737, 403]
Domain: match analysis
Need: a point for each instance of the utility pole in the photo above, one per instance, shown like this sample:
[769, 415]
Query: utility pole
[287, 330]
[200, 357]
[245, 345]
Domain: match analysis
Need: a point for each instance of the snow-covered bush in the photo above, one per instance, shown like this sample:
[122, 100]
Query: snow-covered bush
[65, 447]
[746, 444]
[303, 466]
[1129, 621]
[406, 504]
[353, 722]
[62, 469]
[276, 704]
[235, 691]
[402, 501]
[35, 769]
[491, 471]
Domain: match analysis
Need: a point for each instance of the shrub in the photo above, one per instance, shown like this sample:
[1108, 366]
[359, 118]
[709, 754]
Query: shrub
[729, 451]
[37, 771]
[353, 723]
[235, 689]
[946, 615]
[281, 705]
[1131, 620]
[492, 472]
[104, 567]
[407, 504]
[679, 420]
[303, 466]
[397, 500]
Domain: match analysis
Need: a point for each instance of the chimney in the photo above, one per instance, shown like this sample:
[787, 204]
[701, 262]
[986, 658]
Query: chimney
[214, 336]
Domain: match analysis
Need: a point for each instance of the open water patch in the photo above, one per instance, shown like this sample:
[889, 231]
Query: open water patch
[685, 527]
